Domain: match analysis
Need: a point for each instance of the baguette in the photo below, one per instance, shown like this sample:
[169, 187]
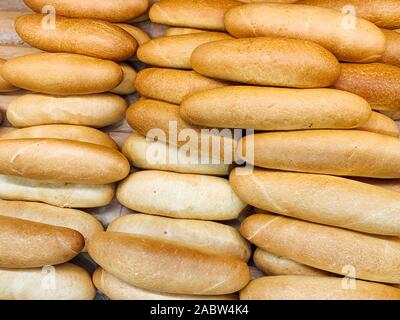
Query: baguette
[95, 38]
[315, 288]
[271, 109]
[62, 73]
[362, 42]
[362, 207]
[378, 83]
[175, 51]
[167, 267]
[172, 85]
[177, 195]
[5, 86]
[61, 282]
[173, 31]
[379, 123]
[204, 14]
[8, 35]
[267, 61]
[127, 85]
[110, 10]
[11, 52]
[205, 235]
[95, 110]
[140, 36]
[336, 152]
[392, 53]
[28, 244]
[326, 248]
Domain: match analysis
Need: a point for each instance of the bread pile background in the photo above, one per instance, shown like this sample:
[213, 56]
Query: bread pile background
[319, 209]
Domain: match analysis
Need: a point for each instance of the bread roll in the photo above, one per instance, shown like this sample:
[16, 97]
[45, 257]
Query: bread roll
[62, 73]
[61, 131]
[395, 115]
[271, 1]
[95, 110]
[327, 248]
[314, 198]
[379, 123]
[173, 31]
[95, 38]
[378, 83]
[116, 289]
[62, 282]
[175, 51]
[358, 42]
[110, 10]
[337, 152]
[273, 265]
[5, 86]
[127, 85]
[205, 235]
[11, 52]
[315, 288]
[267, 61]
[5, 130]
[272, 109]
[62, 160]
[8, 35]
[172, 85]
[28, 244]
[205, 14]
[157, 155]
[391, 184]
[384, 13]
[392, 52]
[179, 195]
[167, 267]
[59, 194]
[140, 36]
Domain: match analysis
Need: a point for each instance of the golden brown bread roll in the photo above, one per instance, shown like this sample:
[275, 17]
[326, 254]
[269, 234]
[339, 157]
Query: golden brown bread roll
[326, 248]
[28, 244]
[127, 85]
[174, 31]
[11, 52]
[378, 83]
[392, 52]
[5, 86]
[8, 35]
[267, 61]
[164, 266]
[62, 73]
[95, 38]
[395, 115]
[271, 109]
[110, 10]
[175, 51]
[94, 110]
[62, 160]
[379, 123]
[316, 288]
[140, 36]
[337, 152]
[358, 42]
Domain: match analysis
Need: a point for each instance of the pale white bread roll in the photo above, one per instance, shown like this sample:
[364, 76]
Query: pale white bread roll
[116, 289]
[62, 160]
[59, 194]
[95, 110]
[316, 288]
[336, 152]
[11, 52]
[84, 223]
[140, 36]
[127, 85]
[8, 35]
[167, 267]
[311, 197]
[5, 86]
[176, 31]
[340, 251]
[179, 195]
[146, 153]
[61, 282]
[380, 123]
[206, 235]
[28, 244]
[352, 41]
[392, 52]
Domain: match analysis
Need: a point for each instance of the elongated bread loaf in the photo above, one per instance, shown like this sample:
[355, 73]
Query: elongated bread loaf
[157, 155]
[8, 35]
[206, 235]
[267, 61]
[392, 52]
[28, 244]
[140, 36]
[110, 10]
[326, 248]
[174, 31]
[179, 195]
[116, 289]
[5, 86]
[395, 115]
[362, 207]
[95, 38]
[11, 52]
[62, 282]
[62, 160]
[164, 266]
[271, 109]
[175, 51]
[62, 73]
[172, 85]
[337, 152]
[127, 85]
[316, 288]
[59, 194]
[379, 123]
[95, 110]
